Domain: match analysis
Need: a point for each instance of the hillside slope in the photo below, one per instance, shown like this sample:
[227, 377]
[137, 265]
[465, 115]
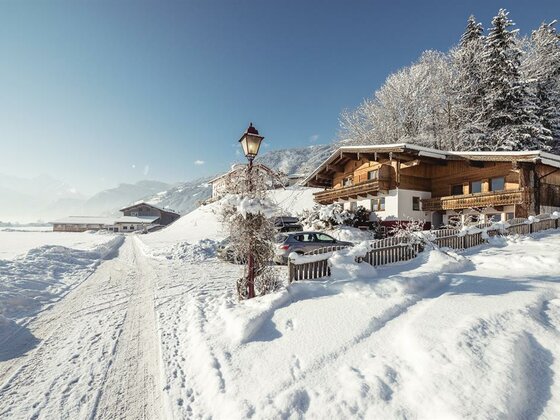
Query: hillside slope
[186, 196]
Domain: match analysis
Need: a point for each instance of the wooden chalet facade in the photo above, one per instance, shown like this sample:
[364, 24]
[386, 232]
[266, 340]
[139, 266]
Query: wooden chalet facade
[401, 181]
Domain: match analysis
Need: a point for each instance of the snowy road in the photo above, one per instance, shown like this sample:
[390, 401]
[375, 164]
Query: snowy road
[97, 351]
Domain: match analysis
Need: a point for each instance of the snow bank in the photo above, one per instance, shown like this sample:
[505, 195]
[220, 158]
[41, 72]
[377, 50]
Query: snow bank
[43, 275]
[351, 234]
[244, 319]
[16, 243]
[191, 252]
[344, 267]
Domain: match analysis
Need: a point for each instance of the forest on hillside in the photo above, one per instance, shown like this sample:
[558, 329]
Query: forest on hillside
[495, 90]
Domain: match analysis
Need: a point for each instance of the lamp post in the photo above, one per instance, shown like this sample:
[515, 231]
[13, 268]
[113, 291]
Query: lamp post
[251, 142]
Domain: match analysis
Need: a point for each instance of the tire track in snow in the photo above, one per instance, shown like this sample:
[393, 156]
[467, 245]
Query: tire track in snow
[133, 387]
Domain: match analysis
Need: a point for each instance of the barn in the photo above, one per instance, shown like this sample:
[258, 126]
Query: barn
[140, 216]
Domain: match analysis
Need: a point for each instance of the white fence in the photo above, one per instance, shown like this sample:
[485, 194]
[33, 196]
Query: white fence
[395, 249]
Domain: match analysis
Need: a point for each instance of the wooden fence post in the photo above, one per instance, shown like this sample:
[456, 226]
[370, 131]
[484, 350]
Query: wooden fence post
[290, 271]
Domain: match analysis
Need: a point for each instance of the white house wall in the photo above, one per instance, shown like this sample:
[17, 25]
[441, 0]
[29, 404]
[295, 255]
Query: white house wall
[398, 205]
[405, 205]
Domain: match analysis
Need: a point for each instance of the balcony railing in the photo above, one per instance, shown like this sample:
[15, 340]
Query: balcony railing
[478, 200]
[362, 189]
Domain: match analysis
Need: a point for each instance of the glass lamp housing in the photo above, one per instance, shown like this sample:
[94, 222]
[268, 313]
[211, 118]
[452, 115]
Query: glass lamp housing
[251, 142]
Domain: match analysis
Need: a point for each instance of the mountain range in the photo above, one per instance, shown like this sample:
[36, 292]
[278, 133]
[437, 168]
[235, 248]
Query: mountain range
[45, 198]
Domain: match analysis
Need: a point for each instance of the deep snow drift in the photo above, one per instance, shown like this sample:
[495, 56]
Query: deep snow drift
[38, 268]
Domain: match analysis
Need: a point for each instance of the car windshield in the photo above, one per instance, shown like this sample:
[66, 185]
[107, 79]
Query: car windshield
[321, 237]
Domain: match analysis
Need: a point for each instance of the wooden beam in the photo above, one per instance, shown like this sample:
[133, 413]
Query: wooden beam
[476, 163]
[335, 168]
[350, 155]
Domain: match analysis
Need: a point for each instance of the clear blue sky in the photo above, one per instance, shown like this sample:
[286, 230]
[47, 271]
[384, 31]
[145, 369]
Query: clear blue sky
[95, 92]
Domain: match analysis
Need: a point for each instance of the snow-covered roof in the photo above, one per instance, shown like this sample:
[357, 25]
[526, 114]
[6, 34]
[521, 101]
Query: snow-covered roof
[240, 166]
[497, 156]
[83, 220]
[136, 219]
[144, 203]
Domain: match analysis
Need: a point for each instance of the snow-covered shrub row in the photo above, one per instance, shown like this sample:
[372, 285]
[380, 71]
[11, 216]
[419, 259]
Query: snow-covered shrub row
[322, 217]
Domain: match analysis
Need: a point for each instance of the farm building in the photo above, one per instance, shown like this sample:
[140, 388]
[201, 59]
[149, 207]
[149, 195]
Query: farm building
[224, 183]
[398, 182]
[139, 216]
[81, 223]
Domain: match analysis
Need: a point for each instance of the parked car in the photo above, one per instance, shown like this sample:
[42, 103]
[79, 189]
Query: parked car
[302, 242]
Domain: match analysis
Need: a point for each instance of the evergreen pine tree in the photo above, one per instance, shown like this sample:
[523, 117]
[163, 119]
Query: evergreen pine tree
[509, 110]
[468, 86]
[542, 68]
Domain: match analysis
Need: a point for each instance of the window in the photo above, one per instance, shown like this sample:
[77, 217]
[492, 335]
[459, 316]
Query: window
[509, 216]
[416, 203]
[496, 217]
[347, 182]
[373, 174]
[125, 227]
[134, 213]
[378, 204]
[305, 237]
[497, 184]
[321, 237]
[476, 187]
[457, 189]
[353, 206]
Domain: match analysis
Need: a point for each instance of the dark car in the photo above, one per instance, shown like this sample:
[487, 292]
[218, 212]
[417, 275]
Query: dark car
[301, 243]
[287, 224]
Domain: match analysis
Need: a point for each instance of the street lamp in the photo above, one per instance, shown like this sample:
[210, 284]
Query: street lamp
[251, 142]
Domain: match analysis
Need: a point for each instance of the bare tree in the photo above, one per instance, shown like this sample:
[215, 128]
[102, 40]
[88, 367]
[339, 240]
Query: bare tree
[246, 214]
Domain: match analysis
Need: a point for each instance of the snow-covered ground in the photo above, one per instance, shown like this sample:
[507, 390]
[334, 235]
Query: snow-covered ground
[38, 268]
[443, 336]
[14, 243]
[156, 332]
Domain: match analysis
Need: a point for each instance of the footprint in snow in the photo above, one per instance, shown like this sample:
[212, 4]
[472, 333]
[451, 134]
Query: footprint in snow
[289, 325]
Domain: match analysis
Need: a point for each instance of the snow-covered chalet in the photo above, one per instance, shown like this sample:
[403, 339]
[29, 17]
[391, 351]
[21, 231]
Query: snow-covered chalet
[398, 182]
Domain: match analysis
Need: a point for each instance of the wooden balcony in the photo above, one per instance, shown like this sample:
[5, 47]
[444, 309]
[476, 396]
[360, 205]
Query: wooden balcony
[363, 189]
[478, 200]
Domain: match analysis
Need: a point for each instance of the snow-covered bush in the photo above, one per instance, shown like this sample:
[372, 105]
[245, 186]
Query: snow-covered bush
[411, 232]
[326, 217]
[361, 216]
[246, 215]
